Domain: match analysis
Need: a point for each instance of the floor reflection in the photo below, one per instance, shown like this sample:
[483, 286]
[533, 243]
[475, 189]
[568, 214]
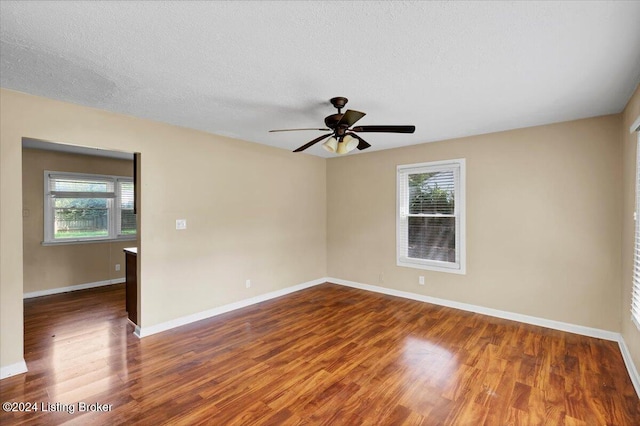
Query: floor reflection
[427, 361]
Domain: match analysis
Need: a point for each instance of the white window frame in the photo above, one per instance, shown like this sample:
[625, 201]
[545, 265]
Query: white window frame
[635, 285]
[114, 202]
[458, 166]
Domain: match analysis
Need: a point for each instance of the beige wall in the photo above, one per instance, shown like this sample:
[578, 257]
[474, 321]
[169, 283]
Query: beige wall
[254, 212]
[49, 267]
[544, 216]
[629, 331]
[543, 221]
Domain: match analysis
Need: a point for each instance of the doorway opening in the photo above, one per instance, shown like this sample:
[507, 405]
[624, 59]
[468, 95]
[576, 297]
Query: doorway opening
[80, 211]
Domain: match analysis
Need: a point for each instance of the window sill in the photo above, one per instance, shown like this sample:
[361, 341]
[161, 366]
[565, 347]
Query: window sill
[108, 240]
[449, 268]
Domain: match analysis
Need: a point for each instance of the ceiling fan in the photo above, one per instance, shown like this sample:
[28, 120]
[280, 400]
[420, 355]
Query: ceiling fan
[343, 137]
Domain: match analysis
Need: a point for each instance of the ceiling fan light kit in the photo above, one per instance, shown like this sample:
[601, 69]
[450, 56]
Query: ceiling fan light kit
[350, 143]
[343, 138]
[342, 149]
[331, 144]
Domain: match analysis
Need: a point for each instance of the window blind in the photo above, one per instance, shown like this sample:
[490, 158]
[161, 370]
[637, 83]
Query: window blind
[127, 218]
[61, 186]
[126, 194]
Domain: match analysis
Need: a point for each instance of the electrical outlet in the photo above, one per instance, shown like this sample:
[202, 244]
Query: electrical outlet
[181, 223]
[421, 280]
[117, 267]
[247, 284]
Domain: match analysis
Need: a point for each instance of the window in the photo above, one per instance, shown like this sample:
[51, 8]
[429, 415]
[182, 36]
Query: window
[430, 216]
[81, 207]
[635, 289]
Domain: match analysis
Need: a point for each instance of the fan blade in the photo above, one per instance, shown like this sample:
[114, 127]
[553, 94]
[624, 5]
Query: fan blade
[350, 117]
[295, 130]
[313, 142]
[385, 129]
[363, 144]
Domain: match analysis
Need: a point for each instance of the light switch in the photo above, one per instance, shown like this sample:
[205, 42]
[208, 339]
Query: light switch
[181, 223]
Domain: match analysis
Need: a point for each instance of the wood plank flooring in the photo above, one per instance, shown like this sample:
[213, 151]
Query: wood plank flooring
[326, 355]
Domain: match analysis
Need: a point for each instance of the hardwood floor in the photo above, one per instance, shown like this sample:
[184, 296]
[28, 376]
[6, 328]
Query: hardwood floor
[326, 355]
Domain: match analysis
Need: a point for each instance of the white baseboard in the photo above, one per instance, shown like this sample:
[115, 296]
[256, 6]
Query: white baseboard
[147, 331]
[556, 325]
[13, 369]
[631, 368]
[141, 332]
[72, 288]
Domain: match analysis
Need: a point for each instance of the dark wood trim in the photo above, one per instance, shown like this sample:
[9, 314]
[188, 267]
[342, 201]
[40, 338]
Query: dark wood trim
[136, 156]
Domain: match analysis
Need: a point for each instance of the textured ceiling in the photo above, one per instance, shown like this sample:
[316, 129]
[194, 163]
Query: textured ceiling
[241, 68]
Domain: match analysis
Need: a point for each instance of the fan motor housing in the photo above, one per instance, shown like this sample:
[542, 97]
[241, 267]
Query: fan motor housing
[332, 120]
